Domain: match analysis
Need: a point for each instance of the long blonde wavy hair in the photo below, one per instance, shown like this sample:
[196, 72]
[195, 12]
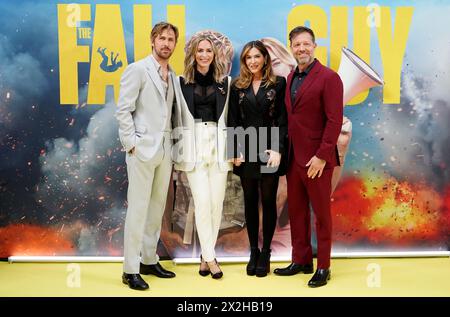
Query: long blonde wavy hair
[190, 63]
[245, 75]
[224, 46]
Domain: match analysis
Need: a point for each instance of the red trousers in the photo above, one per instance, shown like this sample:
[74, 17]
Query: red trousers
[301, 192]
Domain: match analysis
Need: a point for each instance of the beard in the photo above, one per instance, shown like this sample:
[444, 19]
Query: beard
[163, 53]
[304, 60]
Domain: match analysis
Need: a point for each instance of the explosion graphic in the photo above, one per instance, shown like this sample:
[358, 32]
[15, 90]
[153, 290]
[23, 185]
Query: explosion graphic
[389, 211]
[22, 239]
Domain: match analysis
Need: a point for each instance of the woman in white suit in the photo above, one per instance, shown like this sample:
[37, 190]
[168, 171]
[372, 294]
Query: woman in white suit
[205, 88]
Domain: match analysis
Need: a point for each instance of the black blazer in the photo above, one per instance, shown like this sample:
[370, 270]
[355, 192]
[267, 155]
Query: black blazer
[221, 96]
[265, 109]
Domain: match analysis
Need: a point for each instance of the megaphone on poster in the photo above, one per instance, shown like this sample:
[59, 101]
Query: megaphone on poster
[357, 76]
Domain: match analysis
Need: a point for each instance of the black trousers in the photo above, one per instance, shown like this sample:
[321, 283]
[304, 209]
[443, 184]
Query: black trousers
[267, 185]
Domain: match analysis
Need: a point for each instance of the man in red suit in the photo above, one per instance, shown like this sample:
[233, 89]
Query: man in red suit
[314, 97]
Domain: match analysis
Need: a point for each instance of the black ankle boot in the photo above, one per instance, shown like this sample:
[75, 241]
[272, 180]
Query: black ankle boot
[251, 266]
[263, 265]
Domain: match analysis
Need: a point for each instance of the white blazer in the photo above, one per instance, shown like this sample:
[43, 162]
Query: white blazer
[184, 150]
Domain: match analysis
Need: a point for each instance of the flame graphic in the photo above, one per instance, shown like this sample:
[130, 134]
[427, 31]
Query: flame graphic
[445, 219]
[384, 210]
[369, 209]
[24, 239]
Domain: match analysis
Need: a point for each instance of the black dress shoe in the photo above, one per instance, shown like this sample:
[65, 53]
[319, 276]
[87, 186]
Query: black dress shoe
[134, 281]
[251, 266]
[203, 272]
[320, 278]
[263, 266]
[294, 268]
[155, 269]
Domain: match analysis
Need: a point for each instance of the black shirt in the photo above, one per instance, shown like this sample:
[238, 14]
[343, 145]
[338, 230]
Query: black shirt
[298, 79]
[204, 96]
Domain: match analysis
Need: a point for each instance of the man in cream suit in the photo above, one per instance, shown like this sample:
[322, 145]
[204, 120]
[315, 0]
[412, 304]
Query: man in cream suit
[148, 104]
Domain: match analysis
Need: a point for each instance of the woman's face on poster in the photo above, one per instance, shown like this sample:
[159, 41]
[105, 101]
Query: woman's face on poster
[279, 68]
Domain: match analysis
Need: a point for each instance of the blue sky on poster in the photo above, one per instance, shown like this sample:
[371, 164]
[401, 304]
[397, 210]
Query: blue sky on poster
[30, 28]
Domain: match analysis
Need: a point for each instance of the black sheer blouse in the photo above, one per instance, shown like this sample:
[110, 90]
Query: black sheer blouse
[204, 97]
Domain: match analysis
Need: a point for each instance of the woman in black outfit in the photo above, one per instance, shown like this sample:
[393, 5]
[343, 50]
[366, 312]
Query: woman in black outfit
[257, 104]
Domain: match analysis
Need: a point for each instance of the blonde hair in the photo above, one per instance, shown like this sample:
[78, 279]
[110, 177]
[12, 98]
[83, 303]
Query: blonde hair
[245, 76]
[280, 51]
[190, 62]
[224, 46]
[160, 27]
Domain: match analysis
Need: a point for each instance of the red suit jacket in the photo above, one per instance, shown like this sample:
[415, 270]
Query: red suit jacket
[315, 117]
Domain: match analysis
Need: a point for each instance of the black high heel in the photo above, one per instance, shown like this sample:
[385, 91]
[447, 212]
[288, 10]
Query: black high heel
[203, 272]
[263, 266]
[216, 275]
[251, 266]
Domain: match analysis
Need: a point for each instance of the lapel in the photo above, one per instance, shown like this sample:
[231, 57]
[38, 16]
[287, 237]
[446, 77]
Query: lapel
[261, 97]
[312, 76]
[188, 93]
[176, 99]
[151, 69]
[287, 97]
[249, 94]
[258, 101]
[221, 96]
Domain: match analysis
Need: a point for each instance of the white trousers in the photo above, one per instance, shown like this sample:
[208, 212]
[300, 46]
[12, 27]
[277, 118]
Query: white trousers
[148, 184]
[208, 184]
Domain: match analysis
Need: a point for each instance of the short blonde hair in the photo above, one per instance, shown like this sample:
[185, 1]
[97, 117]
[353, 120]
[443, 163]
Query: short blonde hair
[160, 27]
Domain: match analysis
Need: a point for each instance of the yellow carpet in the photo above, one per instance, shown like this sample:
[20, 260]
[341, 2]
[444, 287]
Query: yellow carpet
[350, 277]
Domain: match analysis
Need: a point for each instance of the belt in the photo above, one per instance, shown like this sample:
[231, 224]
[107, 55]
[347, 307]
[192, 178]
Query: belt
[207, 123]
